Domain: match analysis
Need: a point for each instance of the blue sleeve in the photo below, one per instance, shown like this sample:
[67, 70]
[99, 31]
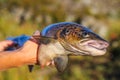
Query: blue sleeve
[19, 41]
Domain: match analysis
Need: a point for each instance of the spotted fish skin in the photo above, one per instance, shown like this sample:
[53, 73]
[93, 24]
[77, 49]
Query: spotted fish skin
[68, 30]
[60, 40]
[51, 30]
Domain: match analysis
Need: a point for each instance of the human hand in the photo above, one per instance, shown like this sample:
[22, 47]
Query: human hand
[29, 52]
[25, 55]
[30, 49]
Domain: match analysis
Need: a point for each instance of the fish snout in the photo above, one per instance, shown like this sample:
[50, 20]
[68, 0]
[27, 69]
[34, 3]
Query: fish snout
[103, 44]
[98, 44]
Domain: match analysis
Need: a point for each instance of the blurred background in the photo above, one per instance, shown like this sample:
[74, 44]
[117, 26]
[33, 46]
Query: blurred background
[19, 17]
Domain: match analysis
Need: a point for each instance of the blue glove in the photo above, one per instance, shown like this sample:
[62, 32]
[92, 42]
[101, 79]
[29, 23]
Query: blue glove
[18, 41]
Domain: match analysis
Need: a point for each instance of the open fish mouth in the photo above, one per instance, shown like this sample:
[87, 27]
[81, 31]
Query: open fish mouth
[93, 47]
[100, 45]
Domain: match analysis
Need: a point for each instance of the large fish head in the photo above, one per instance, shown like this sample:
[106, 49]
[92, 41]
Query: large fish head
[76, 39]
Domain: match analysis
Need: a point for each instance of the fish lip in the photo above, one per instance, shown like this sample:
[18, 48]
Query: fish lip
[97, 44]
[96, 47]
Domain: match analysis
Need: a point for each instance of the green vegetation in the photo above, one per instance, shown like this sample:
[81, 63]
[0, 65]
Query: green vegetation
[35, 15]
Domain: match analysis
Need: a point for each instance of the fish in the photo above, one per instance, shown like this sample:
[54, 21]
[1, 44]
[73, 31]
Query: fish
[60, 40]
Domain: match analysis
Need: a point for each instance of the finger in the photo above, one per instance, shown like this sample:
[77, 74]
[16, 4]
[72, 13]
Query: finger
[5, 44]
[8, 42]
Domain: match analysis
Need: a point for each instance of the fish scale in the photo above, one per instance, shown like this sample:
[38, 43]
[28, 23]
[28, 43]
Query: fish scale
[50, 30]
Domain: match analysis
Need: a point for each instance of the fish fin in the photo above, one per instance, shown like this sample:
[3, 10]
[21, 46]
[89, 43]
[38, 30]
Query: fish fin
[61, 63]
[30, 67]
[47, 40]
[36, 37]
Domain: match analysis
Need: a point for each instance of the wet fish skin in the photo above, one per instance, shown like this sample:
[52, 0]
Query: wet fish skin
[59, 41]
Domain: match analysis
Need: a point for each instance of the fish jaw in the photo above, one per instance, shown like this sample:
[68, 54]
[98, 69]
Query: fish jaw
[97, 48]
[93, 47]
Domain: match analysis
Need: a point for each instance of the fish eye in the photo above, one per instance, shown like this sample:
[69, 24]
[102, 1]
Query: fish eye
[85, 34]
[67, 32]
